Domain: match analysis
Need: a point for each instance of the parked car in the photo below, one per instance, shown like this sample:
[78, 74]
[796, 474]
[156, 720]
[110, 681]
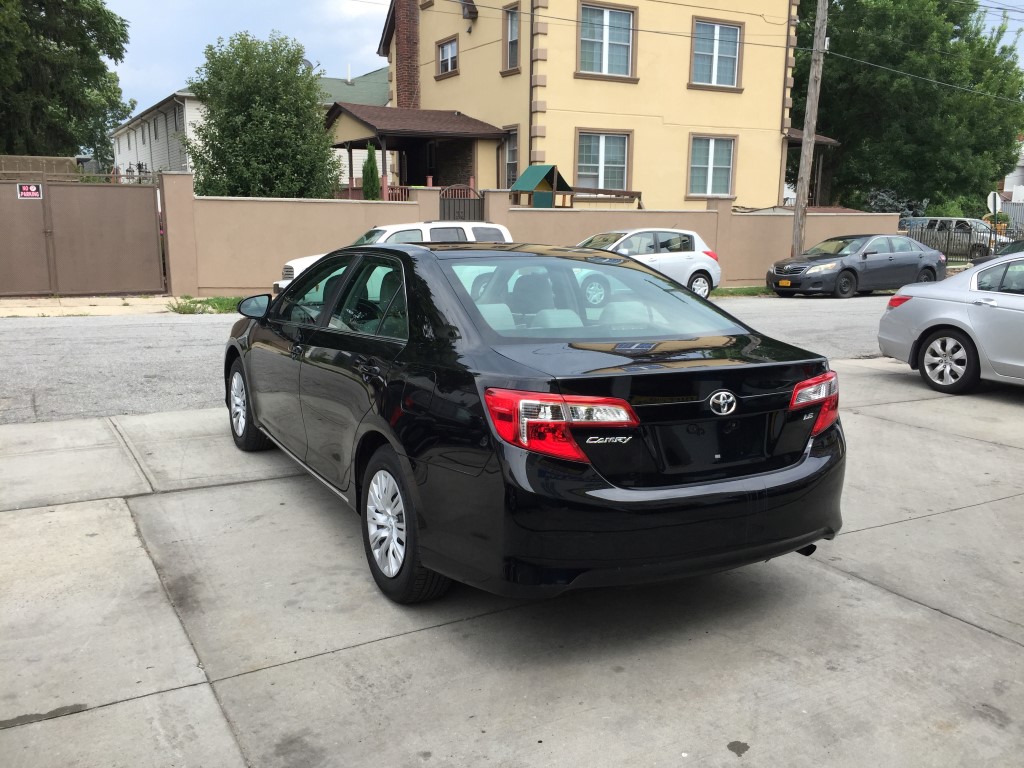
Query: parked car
[1015, 246]
[843, 266]
[966, 328]
[525, 442]
[681, 254]
[957, 236]
[415, 232]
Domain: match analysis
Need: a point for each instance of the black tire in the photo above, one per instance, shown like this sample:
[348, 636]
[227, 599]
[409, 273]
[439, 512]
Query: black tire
[596, 291]
[925, 276]
[846, 285]
[386, 504]
[244, 431]
[977, 251]
[948, 362]
[699, 282]
[864, 293]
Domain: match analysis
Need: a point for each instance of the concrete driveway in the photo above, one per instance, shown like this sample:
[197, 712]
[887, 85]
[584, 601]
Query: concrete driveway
[166, 600]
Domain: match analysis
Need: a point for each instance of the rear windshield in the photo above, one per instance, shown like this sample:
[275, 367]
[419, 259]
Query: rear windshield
[602, 240]
[533, 297]
[837, 246]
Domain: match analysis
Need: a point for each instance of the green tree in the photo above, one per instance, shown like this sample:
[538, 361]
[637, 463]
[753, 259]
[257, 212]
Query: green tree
[917, 140]
[55, 88]
[371, 176]
[264, 133]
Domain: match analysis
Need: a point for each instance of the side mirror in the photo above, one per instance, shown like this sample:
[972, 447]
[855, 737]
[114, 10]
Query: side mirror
[255, 306]
[868, 253]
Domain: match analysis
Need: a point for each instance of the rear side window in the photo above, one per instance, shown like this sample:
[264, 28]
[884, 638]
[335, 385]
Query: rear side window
[447, 235]
[902, 244]
[406, 236]
[673, 242]
[488, 235]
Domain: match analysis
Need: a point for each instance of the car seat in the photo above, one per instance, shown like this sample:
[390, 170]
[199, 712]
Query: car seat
[531, 294]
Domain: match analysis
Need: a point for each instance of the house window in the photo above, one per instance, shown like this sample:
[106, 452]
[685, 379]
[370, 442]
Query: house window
[716, 52]
[176, 111]
[118, 144]
[448, 57]
[601, 160]
[711, 165]
[511, 37]
[606, 41]
[129, 140]
[511, 158]
[156, 127]
[142, 132]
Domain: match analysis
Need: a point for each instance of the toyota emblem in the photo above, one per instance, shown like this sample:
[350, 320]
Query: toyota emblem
[722, 402]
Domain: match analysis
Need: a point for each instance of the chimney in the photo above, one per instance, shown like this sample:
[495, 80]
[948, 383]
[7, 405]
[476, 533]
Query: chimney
[407, 54]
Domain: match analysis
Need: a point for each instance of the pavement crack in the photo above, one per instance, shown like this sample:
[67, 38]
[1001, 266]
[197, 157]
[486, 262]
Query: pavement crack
[126, 443]
[933, 514]
[892, 420]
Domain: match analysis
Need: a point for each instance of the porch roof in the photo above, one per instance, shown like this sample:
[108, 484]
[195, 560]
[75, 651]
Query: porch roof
[795, 136]
[361, 125]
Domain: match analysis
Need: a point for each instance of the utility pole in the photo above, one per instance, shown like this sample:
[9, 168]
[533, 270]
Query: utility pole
[803, 179]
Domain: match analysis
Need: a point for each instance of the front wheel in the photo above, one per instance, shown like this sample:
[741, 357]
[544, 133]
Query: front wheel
[390, 534]
[948, 362]
[244, 431]
[846, 285]
[700, 283]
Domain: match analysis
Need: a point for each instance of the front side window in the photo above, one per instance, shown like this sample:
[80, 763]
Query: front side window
[606, 41]
[448, 57]
[716, 51]
[511, 158]
[511, 37]
[640, 244]
[989, 279]
[406, 236]
[304, 300]
[601, 161]
[880, 245]
[374, 301]
[371, 236]
[711, 164]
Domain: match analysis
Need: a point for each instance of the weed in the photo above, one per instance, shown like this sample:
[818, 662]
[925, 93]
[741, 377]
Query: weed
[216, 305]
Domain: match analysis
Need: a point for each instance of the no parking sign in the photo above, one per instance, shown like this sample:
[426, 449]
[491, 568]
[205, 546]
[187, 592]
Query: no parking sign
[30, 191]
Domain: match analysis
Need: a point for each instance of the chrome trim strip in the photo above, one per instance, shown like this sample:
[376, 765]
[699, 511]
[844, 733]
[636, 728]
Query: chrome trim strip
[316, 475]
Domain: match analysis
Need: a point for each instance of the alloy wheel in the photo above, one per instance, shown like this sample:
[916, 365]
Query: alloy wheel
[945, 361]
[238, 408]
[385, 522]
[701, 286]
[595, 293]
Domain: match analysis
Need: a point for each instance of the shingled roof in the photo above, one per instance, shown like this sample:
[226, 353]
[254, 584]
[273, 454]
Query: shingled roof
[426, 123]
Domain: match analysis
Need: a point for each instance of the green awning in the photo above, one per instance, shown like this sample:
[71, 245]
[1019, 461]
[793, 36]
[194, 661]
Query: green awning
[542, 178]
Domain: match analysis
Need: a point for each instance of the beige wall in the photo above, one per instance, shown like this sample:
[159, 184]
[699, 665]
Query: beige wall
[237, 246]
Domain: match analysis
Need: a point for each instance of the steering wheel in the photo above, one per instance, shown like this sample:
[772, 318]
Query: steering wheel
[301, 315]
[363, 313]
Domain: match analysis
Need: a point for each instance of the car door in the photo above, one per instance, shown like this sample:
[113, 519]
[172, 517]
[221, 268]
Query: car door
[278, 343]
[349, 355]
[641, 246]
[908, 260]
[876, 267]
[997, 317]
[675, 256]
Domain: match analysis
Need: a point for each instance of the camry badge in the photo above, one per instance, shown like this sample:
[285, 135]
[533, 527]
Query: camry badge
[606, 440]
[723, 402]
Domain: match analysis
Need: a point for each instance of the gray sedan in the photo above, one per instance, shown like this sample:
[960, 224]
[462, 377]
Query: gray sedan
[843, 266]
[968, 327]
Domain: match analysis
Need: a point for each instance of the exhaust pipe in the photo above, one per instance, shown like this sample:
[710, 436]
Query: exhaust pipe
[808, 550]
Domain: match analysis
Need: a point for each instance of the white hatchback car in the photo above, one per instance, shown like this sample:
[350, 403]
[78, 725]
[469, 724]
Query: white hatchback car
[416, 232]
[680, 254]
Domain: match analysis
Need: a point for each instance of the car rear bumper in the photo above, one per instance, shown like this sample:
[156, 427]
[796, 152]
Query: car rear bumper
[895, 339]
[548, 526]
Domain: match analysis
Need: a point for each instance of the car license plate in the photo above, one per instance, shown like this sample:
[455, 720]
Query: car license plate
[784, 283]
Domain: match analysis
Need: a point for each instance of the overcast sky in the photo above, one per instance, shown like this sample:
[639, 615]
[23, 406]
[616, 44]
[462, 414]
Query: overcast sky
[168, 39]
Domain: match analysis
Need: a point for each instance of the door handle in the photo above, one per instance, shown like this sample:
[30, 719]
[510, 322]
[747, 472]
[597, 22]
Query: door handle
[984, 303]
[296, 351]
[892, 258]
[365, 366]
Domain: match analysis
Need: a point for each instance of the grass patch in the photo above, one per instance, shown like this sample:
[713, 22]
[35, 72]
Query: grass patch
[215, 305]
[744, 290]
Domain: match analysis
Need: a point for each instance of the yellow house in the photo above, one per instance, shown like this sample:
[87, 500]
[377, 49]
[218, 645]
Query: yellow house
[684, 103]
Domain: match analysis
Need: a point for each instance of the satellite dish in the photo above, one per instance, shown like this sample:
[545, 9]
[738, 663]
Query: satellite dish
[307, 63]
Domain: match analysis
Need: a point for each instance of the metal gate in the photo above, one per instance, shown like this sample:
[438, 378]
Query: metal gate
[79, 239]
[460, 202]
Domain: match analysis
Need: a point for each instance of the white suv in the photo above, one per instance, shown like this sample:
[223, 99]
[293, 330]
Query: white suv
[416, 232]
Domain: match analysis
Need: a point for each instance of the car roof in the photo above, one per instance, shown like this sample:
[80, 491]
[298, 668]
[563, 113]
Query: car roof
[461, 250]
[459, 223]
[637, 230]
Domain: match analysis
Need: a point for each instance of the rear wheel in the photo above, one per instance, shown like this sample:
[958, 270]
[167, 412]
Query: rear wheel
[948, 362]
[846, 285]
[925, 276]
[244, 431]
[700, 283]
[390, 534]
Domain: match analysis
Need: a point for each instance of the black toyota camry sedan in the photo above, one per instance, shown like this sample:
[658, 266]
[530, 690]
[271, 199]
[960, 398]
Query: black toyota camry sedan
[493, 427]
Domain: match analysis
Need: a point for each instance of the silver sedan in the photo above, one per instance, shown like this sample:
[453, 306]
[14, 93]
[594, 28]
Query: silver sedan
[965, 328]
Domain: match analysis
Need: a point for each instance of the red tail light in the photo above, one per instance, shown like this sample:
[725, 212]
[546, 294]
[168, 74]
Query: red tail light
[541, 422]
[712, 254]
[823, 390]
[897, 301]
